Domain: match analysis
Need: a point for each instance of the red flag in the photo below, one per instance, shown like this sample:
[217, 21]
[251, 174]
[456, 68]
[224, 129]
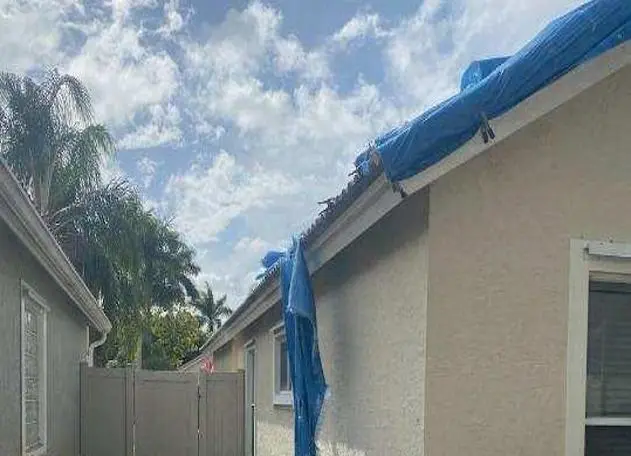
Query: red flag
[207, 366]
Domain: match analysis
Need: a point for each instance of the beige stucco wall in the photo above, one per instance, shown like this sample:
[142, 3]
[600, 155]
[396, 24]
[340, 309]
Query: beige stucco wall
[371, 302]
[67, 342]
[499, 236]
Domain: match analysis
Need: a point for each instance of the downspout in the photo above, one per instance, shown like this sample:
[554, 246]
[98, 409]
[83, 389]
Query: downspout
[97, 343]
[94, 345]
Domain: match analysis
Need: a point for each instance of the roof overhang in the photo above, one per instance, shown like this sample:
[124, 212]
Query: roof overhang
[23, 219]
[379, 199]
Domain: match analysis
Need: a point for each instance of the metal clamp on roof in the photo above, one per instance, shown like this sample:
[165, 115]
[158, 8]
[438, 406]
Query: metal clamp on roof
[485, 129]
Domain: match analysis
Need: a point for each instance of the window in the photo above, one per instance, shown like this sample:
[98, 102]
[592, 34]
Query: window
[608, 385]
[282, 376]
[33, 372]
[598, 388]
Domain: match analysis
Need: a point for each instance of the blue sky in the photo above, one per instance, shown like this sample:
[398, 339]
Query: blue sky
[235, 118]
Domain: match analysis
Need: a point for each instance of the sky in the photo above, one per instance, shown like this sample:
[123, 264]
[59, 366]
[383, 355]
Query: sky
[234, 118]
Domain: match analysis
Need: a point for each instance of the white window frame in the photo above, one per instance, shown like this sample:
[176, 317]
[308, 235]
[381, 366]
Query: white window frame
[283, 398]
[589, 260]
[42, 309]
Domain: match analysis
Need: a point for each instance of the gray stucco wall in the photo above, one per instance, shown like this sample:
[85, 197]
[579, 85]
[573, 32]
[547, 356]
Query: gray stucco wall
[371, 303]
[499, 237]
[66, 345]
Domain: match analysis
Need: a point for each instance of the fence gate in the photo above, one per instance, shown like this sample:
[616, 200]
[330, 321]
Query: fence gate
[126, 412]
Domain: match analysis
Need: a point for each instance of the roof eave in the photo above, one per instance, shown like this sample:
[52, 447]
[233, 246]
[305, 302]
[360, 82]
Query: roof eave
[24, 220]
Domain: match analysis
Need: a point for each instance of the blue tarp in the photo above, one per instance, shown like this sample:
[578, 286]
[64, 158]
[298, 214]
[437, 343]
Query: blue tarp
[308, 383]
[565, 43]
[479, 70]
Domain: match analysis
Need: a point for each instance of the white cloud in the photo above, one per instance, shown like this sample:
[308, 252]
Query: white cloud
[122, 8]
[358, 27]
[163, 127]
[249, 42]
[147, 169]
[255, 245]
[426, 53]
[32, 33]
[174, 21]
[207, 200]
[124, 76]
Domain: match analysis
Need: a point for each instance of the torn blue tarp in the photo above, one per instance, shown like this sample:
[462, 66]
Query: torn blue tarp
[271, 258]
[307, 377]
[268, 261]
[565, 43]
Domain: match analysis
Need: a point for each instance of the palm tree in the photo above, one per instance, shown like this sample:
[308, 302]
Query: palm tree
[126, 254]
[211, 311]
[47, 136]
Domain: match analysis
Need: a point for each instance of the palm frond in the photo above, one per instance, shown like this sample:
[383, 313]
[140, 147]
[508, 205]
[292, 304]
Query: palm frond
[65, 95]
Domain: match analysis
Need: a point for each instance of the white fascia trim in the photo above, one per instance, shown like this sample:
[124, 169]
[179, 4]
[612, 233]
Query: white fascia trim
[24, 220]
[379, 199]
[528, 111]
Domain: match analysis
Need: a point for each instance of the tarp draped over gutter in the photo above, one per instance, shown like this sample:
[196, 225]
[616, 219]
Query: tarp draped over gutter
[565, 43]
[307, 377]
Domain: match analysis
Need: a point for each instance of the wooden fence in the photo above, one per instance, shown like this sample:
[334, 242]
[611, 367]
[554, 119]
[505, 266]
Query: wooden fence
[127, 412]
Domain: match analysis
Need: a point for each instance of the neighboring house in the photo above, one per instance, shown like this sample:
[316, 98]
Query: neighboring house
[488, 312]
[48, 318]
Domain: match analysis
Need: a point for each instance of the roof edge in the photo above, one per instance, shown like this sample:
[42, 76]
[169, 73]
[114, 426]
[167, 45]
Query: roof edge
[377, 199]
[24, 220]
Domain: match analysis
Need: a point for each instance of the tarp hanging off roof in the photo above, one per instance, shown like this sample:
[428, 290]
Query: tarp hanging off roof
[307, 377]
[564, 44]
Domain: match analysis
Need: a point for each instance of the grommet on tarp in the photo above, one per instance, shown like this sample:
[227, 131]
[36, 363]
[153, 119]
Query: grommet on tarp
[485, 128]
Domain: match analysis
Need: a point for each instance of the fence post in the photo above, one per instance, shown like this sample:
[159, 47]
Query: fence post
[130, 411]
[83, 408]
[202, 413]
[241, 412]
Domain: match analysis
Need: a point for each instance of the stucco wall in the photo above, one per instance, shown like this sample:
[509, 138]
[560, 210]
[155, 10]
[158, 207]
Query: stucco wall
[371, 302]
[499, 236]
[371, 315]
[66, 344]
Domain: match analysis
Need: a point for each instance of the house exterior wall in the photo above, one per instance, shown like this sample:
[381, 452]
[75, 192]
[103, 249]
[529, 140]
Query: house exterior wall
[499, 237]
[66, 344]
[371, 302]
